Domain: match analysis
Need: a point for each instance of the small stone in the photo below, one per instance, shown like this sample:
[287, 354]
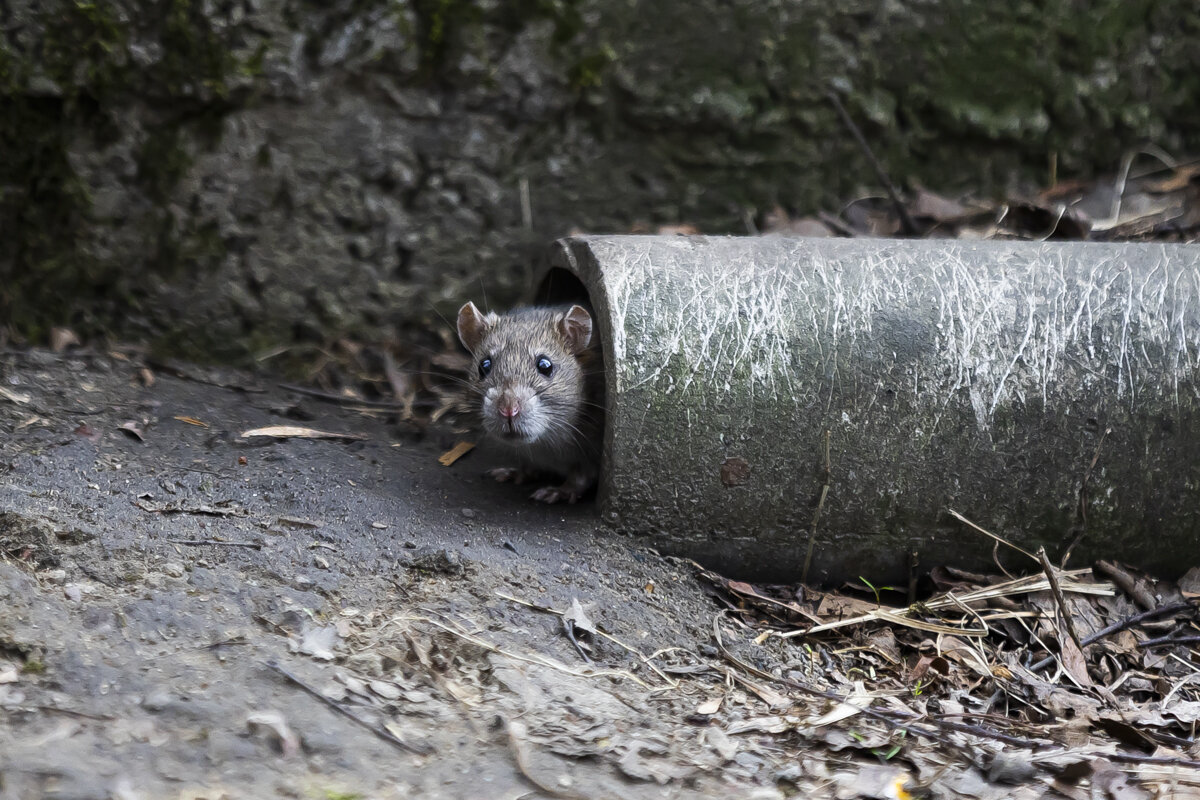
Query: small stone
[302, 582]
[173, 569]
[157, 700]
[470, 513]
[368, 663]
[74, 592]
[56, 576]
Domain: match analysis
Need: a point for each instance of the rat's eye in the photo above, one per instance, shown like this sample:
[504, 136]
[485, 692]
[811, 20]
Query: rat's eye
[485, 367]
[544, 366]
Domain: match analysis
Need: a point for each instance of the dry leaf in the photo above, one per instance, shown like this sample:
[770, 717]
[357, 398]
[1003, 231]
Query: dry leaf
[578, 618]
[15, 397]
[1074, 661]
[62, 338]
[710, 707]
[86, 432]
[134, 429]
[192, 421]
[386, 690]
[274, 721]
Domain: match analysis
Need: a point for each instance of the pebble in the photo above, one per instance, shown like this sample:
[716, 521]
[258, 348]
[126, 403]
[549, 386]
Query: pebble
[58, 576]
[470, 513]
[157, 700]
[173, 569]
[74, 592]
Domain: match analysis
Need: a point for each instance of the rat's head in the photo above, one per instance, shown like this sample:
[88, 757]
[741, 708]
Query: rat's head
[526, 370]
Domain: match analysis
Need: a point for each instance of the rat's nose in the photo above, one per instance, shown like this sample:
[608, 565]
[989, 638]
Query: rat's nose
[509, 410]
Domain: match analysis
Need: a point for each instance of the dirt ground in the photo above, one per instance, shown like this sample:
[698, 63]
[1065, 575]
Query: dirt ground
[189, 613]
[143, 662]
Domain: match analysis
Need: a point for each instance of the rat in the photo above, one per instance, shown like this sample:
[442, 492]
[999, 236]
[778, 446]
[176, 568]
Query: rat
[538, 380]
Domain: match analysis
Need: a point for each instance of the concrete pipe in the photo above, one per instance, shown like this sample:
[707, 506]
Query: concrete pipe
[762, 391]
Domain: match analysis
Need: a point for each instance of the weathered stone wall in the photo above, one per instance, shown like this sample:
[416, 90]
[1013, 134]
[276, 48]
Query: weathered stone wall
[223, 177]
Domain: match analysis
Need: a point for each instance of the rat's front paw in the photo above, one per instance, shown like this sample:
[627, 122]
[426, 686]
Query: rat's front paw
[555, 494]
[508, 475]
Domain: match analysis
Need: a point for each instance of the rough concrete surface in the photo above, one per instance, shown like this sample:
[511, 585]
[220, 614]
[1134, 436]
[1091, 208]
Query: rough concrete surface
[226, 178]
[1047, 390]
[132, 665]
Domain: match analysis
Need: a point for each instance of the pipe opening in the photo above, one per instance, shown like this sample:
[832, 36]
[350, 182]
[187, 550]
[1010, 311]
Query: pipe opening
[559, 287]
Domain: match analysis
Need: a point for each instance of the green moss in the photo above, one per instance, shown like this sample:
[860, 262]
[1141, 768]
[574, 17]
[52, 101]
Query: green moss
[34, 667]
[195, 62]
[78, 80]
[162, 161]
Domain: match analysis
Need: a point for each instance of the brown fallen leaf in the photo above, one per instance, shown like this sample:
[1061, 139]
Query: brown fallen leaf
[134, 429]
[62, 338]
[455, 453]
[274, 721]
[192, 421]
[146, 377]
[86, 432]
[297, 432]
[198, 508]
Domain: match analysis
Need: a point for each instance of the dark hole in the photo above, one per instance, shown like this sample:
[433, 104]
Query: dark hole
[561, 286]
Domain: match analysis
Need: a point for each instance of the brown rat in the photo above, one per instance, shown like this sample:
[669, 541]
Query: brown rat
[539, 381]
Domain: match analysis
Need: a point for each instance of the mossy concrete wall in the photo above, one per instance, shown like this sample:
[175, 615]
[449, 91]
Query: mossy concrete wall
[224, 178]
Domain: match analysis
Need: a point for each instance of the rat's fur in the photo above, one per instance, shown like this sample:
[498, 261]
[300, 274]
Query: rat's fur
[558, 418]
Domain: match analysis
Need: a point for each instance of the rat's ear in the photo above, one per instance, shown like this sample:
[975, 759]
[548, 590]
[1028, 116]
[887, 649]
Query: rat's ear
[576, 329]
[472, 325]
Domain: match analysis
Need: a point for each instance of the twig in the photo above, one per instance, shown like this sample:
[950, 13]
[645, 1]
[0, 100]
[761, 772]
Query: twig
[569, 631]
[812, 534]
[215, 542]
[1056, 591]
[1119, 625]
[1119, 188]
[1127, 584]
[914, 562]
[69, 712]
[901, 616]
[382, 733]
[532, 659]
[526, 205]
[1162, 640]
[183, 374]
[888, 717]
[906, 222]
[644, 659]
[330, 397]
[993, 536]
[1125, 758]
[517, 744]
[837, 224]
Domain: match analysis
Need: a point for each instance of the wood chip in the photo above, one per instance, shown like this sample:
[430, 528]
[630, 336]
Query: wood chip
[297, 432]
[455, 453]
[15, 397]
